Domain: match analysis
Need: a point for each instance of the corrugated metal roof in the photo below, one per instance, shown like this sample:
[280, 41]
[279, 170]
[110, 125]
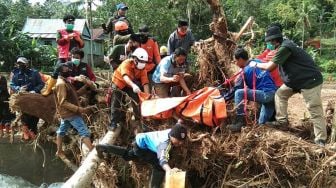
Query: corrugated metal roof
[47, 28]
[45, 36]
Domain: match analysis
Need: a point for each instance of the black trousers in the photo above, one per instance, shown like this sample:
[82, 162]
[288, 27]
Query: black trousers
[118, 112]
[136, 153]
[150, 157]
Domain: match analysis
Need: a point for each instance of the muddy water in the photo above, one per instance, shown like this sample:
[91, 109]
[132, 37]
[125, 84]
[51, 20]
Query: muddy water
[20, 161]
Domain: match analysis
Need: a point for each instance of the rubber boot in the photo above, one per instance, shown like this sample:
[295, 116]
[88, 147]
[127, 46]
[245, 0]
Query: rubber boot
[238, 123]
[25, 132]
[50, 85]
[110, 149]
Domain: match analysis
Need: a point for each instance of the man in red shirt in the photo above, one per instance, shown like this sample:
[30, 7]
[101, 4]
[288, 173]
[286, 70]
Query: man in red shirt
[267, 56]
[66, 39]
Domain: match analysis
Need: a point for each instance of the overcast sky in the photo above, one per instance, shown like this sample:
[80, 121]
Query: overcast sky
[96, 2]
[35, 1]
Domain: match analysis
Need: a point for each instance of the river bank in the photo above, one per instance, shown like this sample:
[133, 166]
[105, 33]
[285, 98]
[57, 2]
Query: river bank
[37, 167]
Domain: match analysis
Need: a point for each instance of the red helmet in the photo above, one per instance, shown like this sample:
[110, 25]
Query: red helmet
[120, 26]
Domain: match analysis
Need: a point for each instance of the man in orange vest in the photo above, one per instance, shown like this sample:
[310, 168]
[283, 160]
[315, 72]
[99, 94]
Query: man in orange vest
[152, 48]
[66, 39]
[126, 79]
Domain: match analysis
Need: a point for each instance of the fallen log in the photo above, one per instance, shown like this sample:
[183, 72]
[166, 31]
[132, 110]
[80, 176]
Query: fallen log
[83, 176]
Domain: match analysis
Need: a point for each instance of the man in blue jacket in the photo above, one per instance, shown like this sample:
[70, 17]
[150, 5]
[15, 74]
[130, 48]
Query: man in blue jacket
[27, 80]
[259, 88]
[152, 148]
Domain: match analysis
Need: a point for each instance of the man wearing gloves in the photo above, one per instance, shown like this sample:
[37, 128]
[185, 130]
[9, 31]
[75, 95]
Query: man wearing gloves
[126, 79]
[26, 80]
[153, 148]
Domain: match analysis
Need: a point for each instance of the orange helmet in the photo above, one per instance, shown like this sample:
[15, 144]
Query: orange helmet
[120, 26]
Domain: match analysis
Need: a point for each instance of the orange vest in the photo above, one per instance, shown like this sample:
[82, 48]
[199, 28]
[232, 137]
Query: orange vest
[154, 57]
[128, 68]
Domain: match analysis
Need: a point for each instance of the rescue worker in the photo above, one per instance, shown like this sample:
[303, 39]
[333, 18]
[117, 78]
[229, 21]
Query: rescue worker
[262, 91]
[120, 15]
[82, 76]
[171, 72]
[127, 78]
[267, 56]
[67, 105]
[153, 148]
[27, 80]
[181, 37]
[152, 48]
[163, 51]
[121, 52]
[78, 67]
[122, 33]
[299, 74]
[66, 39]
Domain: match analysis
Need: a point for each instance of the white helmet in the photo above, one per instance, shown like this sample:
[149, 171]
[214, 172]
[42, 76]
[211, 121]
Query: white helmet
[141, 54]
[22, 60]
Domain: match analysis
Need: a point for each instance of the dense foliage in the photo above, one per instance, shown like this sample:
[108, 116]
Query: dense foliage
[301, 20]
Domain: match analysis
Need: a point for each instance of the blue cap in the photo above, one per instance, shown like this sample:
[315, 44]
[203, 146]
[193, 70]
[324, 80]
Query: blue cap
[121, 6]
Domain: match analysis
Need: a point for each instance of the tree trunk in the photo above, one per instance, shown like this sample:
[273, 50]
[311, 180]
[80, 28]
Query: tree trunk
[215, 54]
[83, 176]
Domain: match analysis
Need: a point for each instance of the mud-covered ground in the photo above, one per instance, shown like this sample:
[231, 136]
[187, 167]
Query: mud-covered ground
[297, 106]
